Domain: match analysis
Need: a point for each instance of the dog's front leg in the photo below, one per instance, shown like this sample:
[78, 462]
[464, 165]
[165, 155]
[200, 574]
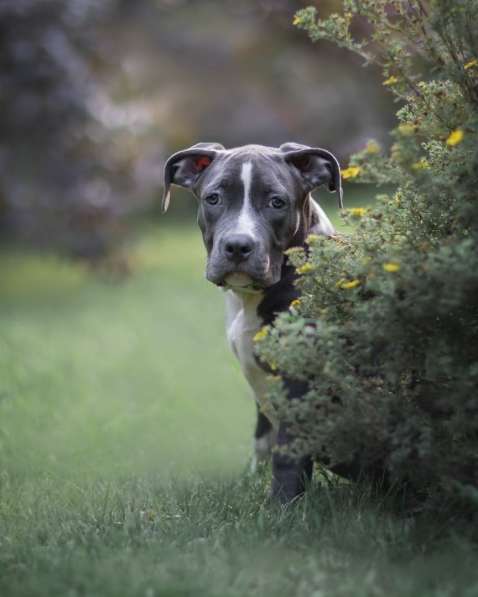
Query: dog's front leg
[265, 438]
[290, 474]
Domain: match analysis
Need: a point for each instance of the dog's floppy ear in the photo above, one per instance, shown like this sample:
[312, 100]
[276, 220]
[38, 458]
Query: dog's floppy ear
[316, 167]
[185, 167]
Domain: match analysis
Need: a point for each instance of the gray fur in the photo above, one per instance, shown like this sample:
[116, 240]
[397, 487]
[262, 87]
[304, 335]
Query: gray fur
[290, 173]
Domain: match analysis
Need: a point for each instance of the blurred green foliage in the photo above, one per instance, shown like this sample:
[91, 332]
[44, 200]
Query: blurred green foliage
[387, 328]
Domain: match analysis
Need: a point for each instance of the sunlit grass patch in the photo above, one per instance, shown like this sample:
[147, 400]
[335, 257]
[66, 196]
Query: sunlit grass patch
[38, 276]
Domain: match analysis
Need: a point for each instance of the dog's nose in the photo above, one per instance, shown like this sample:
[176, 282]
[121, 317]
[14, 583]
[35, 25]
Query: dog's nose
[238, 247]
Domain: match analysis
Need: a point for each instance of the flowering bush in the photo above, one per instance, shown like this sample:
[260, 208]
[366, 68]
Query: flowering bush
[386, 330]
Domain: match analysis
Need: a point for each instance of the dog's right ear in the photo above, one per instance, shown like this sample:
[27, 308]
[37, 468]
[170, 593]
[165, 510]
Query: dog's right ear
[185, 167]
[316, 167]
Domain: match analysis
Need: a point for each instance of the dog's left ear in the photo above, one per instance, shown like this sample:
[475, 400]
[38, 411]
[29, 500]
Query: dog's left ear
[185, 167]
[316, 167]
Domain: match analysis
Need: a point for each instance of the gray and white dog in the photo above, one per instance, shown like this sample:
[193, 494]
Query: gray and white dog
[255, 203]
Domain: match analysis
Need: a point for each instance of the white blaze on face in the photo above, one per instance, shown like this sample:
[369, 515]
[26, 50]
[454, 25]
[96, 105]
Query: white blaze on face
[246, 222]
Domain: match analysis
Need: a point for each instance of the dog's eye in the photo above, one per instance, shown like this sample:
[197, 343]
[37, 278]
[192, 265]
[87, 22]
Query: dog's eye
[212, 199]
[277, 203]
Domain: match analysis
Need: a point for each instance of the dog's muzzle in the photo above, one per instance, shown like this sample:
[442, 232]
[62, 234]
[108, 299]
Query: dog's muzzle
[239, 261]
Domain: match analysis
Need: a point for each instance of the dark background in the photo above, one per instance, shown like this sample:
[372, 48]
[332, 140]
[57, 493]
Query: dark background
[95, 96]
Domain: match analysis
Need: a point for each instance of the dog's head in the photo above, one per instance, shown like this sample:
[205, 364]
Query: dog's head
[253, 204]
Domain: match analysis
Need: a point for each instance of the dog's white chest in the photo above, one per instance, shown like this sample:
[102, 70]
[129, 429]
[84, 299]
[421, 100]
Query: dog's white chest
[242, 325]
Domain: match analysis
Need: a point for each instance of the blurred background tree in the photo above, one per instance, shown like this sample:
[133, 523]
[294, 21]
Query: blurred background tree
[64, 163]
[96, 95]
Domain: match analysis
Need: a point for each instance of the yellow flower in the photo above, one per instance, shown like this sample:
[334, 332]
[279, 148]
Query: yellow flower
[406, 129]
[391, 266]
[348, 284]
[422, 164]
[357, 212]
[312, 238]
[471, 64]
[261, 334]
[455, 137]
[372, 147]
[395, 151]
[296, 20]
[295, 303]
[305, 269]
[390, 81]
[294, 251]
[350, 172]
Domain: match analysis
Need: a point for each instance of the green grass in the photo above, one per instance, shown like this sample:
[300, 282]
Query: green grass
[221, 538]
[125, 433]
[101, 378]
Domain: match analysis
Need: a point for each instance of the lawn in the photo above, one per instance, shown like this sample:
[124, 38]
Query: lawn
[125, 434]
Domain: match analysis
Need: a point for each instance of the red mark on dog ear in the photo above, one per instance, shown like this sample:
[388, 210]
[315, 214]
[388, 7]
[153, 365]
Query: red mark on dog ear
[201, 163]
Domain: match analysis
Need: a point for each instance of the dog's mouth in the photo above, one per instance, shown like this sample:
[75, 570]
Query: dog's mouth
[243, 277]
[241, 282]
